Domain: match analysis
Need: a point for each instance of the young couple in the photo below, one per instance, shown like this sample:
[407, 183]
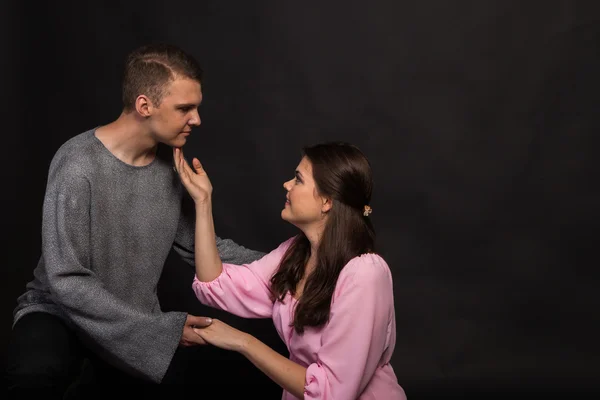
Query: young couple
[112, 213]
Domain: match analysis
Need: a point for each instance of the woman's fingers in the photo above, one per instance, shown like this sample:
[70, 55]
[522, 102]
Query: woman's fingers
[184, 169]
[197, 165]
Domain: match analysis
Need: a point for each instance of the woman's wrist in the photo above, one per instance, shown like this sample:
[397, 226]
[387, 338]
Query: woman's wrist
[245, 343]
[203, 204]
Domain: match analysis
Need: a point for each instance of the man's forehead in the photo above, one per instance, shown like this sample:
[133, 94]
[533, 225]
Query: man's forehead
[185, 91]
[184, 84]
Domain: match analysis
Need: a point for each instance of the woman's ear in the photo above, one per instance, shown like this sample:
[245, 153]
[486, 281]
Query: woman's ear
[327, 204]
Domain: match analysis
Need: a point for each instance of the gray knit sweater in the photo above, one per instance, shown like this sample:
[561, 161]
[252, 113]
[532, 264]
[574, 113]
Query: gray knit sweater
[107, 230]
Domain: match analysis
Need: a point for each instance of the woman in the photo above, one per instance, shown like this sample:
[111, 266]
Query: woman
[328, 293]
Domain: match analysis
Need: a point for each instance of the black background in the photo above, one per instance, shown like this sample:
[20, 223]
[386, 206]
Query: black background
[479, 118]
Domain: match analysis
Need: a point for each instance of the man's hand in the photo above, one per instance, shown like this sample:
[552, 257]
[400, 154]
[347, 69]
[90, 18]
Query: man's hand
[189, 337]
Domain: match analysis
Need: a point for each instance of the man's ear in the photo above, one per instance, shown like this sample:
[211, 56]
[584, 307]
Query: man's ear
[143, 106]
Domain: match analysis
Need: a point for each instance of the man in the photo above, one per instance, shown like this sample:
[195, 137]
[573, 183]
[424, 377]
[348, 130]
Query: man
[114, 208]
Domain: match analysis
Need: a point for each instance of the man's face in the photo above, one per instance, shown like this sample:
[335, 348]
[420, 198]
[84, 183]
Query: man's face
[172, 120]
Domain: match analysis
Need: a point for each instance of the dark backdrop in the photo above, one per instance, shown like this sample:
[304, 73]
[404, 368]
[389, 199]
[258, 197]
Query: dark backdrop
[479, 118]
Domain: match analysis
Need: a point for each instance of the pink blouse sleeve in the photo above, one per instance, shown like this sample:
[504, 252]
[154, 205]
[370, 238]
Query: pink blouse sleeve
[360, 333]
[243, 290]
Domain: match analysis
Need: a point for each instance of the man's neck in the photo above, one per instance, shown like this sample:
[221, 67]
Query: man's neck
[127, 140]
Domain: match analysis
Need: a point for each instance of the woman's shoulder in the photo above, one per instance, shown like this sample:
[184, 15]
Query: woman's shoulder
[282, 247]
[368, 268]
[286, 243]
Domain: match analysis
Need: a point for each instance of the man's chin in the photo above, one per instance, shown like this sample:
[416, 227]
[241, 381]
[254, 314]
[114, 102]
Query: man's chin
[179, 142]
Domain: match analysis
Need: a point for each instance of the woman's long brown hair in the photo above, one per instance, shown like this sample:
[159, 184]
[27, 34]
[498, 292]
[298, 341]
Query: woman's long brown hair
[342, 173]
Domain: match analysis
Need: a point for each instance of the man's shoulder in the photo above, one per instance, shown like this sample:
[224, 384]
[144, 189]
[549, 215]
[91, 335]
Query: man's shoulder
[72, 158]
[78, 141]
[75, 147]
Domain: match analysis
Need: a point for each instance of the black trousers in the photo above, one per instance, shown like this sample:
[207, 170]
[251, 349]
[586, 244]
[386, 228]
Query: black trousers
[45, 358]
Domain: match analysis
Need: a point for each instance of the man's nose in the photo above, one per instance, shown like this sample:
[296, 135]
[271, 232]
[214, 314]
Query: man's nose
[195, 120]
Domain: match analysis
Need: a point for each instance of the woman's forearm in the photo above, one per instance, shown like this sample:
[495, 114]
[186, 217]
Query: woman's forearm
[283, 371]
[208, 262]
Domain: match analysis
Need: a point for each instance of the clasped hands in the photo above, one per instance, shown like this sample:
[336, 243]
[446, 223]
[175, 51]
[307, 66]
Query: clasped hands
[203, 330]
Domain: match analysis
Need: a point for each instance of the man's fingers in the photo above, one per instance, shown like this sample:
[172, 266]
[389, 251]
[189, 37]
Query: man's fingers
[194, 342]
[200, 322]
[191, 338]
[194, 339]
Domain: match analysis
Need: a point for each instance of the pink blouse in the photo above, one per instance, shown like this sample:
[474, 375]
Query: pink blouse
[349, 357]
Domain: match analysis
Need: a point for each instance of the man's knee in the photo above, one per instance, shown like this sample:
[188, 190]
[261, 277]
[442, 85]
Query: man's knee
[41, 372]
[42, 352]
